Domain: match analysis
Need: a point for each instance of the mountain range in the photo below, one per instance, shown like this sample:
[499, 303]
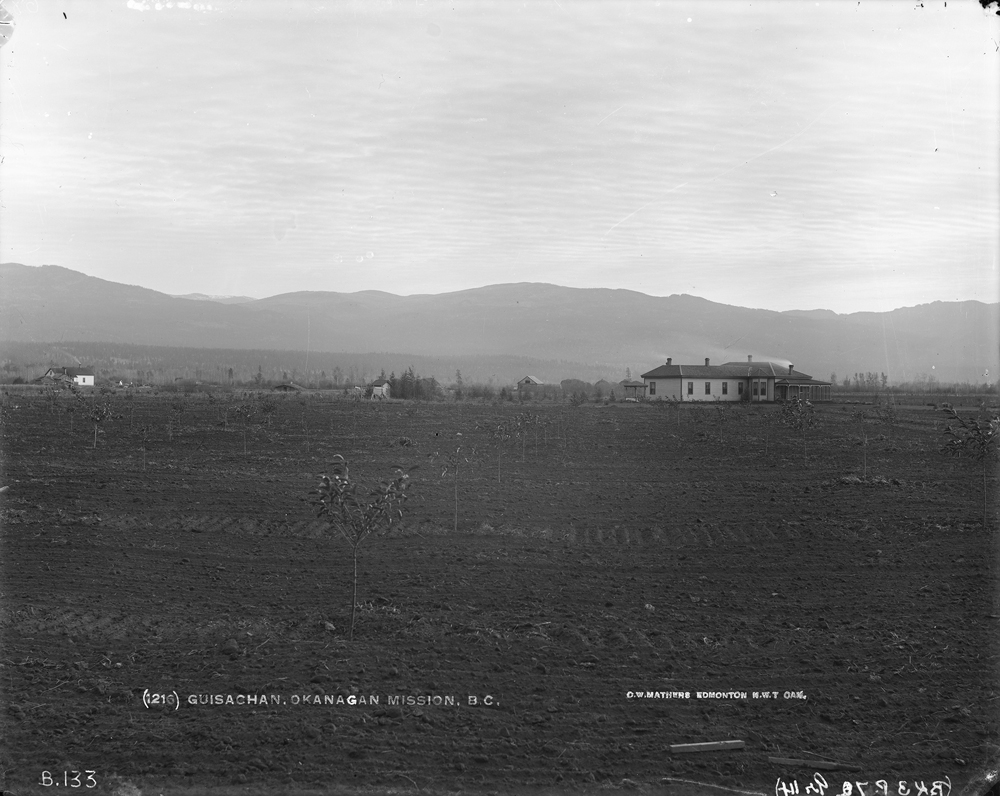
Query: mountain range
[558, 327]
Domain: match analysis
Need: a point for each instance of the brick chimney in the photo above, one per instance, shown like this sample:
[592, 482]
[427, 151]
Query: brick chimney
[791, 368]
[706, 362]
[749, 357]
[669, 360]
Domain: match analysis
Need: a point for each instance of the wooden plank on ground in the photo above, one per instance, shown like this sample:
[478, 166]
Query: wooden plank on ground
[709, 746]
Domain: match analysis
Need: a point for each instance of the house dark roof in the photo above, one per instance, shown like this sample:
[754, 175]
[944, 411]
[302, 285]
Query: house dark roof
[800, 381]
[731, 370]
[380, 382]
[72, 372]
[627, 383]
[780, 371]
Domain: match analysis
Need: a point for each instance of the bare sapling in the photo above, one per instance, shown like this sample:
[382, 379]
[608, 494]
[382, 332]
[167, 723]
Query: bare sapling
[357, 514]
[862, 419]
[977, 439]
[675, 405]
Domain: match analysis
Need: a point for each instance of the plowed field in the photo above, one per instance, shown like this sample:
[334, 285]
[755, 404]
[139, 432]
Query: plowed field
[607, 561]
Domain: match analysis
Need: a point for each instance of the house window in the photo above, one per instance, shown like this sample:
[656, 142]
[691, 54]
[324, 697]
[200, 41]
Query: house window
[690, 388]
[755, 388]
[739, 387]
[652, 388]
[725, 388]
[708, 388]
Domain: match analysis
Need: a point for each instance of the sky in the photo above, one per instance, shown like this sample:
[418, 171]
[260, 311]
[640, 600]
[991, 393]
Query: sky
[837, 155]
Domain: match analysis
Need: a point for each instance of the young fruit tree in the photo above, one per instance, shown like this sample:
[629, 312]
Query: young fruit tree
[98, 414]
[798, 414]
[978, 439]
[452, 463]
[861, 418]
[246, 414]
[356, 514]
[500, 435]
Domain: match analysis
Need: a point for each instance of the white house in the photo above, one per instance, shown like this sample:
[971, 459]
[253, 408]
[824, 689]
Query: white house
[759, 381]
[380, 388]
[82, 377]
[528, 382]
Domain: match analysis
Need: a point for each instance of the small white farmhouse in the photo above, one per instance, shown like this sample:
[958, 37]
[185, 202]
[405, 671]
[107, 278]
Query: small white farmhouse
[82, 377]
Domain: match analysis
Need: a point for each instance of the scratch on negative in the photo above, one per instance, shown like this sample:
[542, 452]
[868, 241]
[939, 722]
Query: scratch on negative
[640, 209]
[729, 170]
[609, 115]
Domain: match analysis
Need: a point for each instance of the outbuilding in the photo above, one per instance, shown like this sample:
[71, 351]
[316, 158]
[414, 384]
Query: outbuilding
[380, 388]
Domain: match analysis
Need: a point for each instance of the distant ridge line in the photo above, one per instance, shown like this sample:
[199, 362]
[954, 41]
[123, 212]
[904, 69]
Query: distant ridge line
[947, 341]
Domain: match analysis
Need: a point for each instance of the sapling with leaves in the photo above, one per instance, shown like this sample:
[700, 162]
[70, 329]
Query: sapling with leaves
[977, 439]
[99, 412]
[355, 513]
[721, 415]
[522, 423]
[452, 463]
[798, 414]
[885, 412]
[245, 413]
[500, 435]
[141, 433]
[130, 403]
[75, 404]
[51, 396]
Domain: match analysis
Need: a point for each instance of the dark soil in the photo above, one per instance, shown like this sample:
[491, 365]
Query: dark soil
[624, 548]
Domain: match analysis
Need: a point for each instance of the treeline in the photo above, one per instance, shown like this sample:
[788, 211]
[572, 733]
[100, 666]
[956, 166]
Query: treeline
[162, 365]
[411, 387]
[878, 383]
